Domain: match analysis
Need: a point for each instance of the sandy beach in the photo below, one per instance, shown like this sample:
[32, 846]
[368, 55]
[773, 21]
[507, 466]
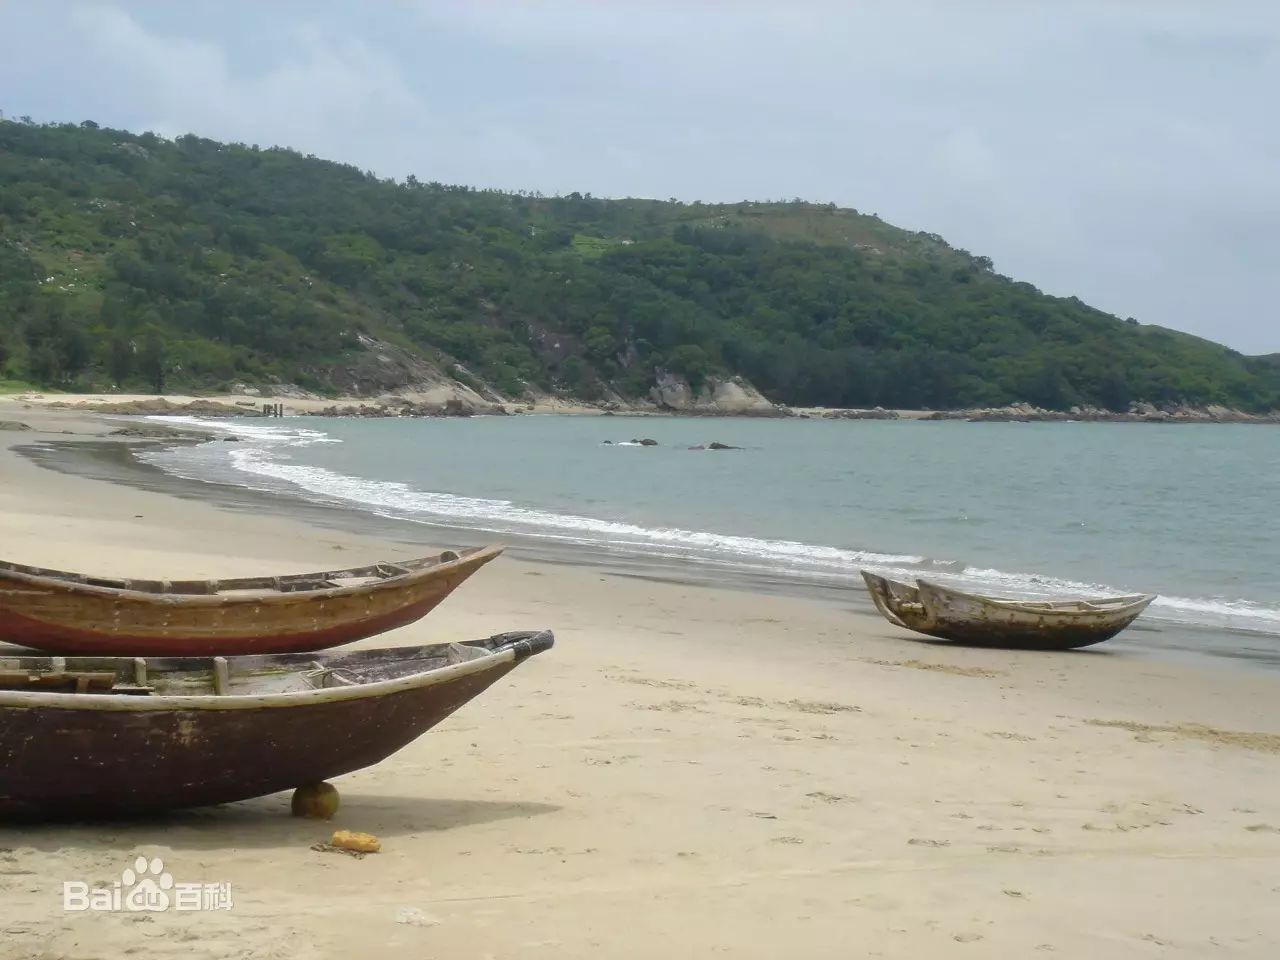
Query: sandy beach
[692, 771]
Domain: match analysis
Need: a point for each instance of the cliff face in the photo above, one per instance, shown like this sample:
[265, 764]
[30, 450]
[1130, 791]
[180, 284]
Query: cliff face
[714, 396]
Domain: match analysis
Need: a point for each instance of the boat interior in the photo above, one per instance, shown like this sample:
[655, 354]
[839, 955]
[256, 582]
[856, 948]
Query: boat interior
[1067, 606]
[233, 676]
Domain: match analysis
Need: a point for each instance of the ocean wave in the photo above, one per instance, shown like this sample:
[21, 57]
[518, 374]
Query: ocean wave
[266, 457]
[276, 435]
[504, 516]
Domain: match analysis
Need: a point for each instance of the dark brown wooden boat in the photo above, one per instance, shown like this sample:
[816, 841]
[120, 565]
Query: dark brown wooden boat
[71, 613]
[105, 736]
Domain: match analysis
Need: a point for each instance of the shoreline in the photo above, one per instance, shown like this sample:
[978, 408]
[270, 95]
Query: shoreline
[433, 404]
[710, 770]
[110, 460]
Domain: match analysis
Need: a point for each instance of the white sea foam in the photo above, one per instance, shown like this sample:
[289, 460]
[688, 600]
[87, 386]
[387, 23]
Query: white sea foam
[253, 431]
[263, 461]
[505, 516]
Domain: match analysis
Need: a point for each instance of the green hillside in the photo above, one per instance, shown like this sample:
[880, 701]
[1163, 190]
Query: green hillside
[132, 261]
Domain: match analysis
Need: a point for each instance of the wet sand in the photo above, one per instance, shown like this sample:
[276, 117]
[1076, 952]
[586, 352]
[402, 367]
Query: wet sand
[692, 770]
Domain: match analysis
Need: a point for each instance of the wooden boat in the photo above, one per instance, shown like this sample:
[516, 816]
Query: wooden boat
[71, 613]
[104, 736]
[992, 622]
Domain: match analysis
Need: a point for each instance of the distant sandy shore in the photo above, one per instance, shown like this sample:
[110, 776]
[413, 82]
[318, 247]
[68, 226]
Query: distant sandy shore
[690, 772]
[11, 404]
[438, 400]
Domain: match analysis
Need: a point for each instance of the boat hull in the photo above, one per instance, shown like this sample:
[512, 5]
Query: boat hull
[78, 619]
[58, 762]
[977, 621]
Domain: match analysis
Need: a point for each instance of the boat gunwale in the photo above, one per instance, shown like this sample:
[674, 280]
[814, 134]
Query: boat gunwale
[529, 643]
[1131, 602]
[476, 556]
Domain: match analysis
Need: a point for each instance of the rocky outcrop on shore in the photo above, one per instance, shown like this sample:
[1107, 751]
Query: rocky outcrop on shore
[158, 431]
[716, 397]
[404, 407]
[877, 413]
[1137, 413]
[381, 368]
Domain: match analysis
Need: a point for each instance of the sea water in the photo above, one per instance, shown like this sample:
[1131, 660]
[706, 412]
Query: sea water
[1187, 511]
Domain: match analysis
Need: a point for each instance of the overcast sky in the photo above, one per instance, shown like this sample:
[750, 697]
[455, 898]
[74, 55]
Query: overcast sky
[1125, 151]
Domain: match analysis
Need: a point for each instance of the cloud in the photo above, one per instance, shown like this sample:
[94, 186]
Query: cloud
[320, 93]
[1121, 150]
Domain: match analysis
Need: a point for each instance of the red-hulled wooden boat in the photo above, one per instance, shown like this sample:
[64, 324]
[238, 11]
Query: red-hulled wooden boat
[104, 736]
[71, 613]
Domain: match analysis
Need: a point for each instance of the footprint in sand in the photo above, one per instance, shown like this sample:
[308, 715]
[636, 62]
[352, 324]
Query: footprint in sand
[830, 797]
[936, 667]
[818, 706]
[1248, 739]
[922, 842]
[671, 706]
[650, 682]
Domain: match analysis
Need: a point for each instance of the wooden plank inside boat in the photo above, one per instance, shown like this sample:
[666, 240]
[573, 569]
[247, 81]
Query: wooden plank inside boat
[75, 681]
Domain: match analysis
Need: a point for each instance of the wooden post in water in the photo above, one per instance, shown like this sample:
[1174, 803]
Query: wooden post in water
[273, 409]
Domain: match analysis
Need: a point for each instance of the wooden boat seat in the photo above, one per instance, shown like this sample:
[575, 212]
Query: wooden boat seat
[69, 681]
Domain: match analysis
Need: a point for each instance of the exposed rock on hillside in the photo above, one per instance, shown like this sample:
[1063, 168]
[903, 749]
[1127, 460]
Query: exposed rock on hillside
[380, 368]
[732, 396]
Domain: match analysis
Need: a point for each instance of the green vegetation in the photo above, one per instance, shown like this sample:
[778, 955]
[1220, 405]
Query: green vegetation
[132, 261]
[16, 386]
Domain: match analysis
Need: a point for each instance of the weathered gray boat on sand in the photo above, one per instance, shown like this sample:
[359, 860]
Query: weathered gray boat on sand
[105, 736]
[949, 614]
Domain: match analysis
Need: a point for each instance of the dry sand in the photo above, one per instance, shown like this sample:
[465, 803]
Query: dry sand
[690, 772]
